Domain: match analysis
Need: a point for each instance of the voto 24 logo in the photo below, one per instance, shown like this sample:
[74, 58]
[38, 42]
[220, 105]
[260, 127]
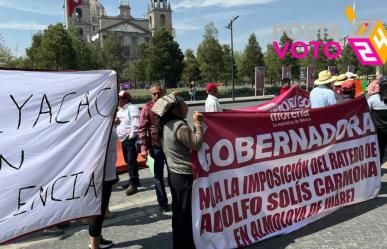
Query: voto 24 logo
[368, 40]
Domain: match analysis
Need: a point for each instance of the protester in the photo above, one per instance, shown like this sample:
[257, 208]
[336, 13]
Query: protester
[128, 117]
[95, 225]
[337, 85]
[378, 106]
[348, 91]
[212, 103]
[150, 143]
[373, 88]
[285, 86]
[193, 91]
[178, 141]
[323, 95]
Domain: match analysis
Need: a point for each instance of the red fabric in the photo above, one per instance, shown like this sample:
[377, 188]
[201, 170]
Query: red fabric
[293, 99]
[148, 129]
[283, 90]
[71, 5]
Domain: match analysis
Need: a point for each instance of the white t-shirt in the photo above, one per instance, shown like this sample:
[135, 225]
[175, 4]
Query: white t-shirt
[129, 123]
[375, 103]
[212, 104]
[111, 158]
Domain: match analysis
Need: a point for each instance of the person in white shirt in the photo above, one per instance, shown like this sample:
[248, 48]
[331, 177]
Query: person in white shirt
[323, 95]
[128, 121]
[212, 102]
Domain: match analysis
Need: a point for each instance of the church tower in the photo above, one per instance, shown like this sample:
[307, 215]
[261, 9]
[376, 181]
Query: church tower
[81, 19]
[160, 15]
[124, 9]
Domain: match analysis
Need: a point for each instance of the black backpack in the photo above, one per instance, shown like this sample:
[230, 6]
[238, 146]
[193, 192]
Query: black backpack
[383, 88]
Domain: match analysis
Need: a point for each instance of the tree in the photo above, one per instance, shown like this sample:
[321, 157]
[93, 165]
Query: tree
[209, 53]
[348, 58]
[273, 64]
[288, 60]
[129, 73]
[33, 53]
[83, 54]
[5, 53]
[56, 50]
[162, 58]
[111, 53]
[253, 57]
[226, 75]
[191, 70]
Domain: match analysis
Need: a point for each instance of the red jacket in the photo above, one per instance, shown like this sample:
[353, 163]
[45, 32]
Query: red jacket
[147, 131]
[283, 90]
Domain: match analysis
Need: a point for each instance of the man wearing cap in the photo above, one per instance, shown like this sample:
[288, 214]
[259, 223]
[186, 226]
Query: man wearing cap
[128, 120]
[348, 91]
[322, 95]
[150, 143]
[212, 102]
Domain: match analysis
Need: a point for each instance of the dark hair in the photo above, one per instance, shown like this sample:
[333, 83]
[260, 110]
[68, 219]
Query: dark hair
[383, 88]
[285, 80]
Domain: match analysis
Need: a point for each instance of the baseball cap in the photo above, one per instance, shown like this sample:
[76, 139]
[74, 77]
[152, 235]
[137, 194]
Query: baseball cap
[211, 86]
[125, 95]
[348, 86]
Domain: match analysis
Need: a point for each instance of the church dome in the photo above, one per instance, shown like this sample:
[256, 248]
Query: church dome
[97, 9]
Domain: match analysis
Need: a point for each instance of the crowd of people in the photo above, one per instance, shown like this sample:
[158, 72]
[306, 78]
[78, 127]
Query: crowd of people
[161, 131]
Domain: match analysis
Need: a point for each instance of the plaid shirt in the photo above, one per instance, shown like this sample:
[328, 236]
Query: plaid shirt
[148, 129]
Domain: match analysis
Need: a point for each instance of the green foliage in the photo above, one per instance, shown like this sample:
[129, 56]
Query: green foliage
[348, 58]
[162, 59]
[273, 65]
[226, 75]
[5, 53]
[191, 70]
[56, 50]
[253, 57]
[84, 56]
[111, 53]
[288, 60]
[209, 53]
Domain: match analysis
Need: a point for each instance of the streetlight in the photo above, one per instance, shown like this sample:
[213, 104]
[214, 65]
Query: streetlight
[229, 26]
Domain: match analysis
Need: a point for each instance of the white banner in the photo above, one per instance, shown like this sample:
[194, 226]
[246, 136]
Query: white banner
[54, 131]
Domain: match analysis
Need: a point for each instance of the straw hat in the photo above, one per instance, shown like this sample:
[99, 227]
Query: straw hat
[340, 79]
[325, 77]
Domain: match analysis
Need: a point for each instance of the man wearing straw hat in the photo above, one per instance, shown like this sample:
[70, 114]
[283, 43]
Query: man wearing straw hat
[339, 81]
[322, 95]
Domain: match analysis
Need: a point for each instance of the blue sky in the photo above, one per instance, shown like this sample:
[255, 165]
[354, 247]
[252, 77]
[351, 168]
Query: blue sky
[20, 19]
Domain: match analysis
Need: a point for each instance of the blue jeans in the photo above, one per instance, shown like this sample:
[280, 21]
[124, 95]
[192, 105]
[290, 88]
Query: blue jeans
[158, 155]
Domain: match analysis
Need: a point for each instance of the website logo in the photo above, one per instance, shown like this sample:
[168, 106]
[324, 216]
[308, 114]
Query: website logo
[369, 42]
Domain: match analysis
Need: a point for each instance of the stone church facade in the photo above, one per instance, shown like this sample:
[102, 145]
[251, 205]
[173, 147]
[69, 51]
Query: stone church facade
[94, 24]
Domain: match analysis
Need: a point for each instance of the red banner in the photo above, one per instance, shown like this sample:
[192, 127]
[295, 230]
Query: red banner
[294, 99]
[287, 72]
[263, 174]
[71, 5]
[310, 77]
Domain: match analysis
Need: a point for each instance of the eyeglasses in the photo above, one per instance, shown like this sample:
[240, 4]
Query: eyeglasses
[155, 94]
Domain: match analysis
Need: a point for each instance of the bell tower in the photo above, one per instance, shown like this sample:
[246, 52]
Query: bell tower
[81, 19]
[160, 15]
[124, 9]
